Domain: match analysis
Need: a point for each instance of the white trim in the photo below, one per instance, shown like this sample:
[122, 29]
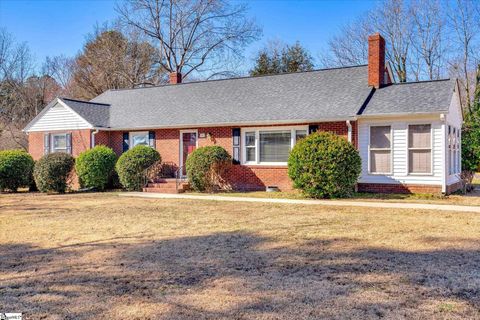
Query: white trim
[369, 149]
[257, 130]
[180, 151]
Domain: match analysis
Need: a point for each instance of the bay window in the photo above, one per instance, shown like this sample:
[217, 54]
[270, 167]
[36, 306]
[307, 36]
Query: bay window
[380, 150]
[419, 148]
[270, 145]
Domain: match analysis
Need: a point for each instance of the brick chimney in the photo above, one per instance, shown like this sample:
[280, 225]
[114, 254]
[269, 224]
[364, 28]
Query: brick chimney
[376, 60]
[175, 77]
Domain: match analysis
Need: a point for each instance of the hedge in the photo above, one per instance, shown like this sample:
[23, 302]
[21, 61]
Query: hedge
[132, 164]
[205, 167]
[52, 172]
[16, 167]
[94, 167]
[324, 165]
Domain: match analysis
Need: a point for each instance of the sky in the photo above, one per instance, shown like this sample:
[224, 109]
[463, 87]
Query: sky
[59, 27]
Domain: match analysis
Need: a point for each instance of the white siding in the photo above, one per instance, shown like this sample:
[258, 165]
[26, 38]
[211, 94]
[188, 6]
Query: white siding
[400, 152]
[454, 119]
[59, 117]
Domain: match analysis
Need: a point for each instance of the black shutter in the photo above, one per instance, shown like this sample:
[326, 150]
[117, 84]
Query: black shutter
[46, 143]
[125, 141]
[312, 128]
[69, 143]
[151, 139]
[236, 145]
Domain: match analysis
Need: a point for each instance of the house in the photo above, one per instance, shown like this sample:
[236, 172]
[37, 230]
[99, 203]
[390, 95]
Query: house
[408, 135]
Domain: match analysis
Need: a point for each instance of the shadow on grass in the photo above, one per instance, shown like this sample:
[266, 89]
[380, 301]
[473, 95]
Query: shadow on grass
[186, 277]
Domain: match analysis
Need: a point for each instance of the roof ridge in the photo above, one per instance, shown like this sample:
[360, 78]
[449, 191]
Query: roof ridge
[84, 101]
[420, 81]
[240, 78]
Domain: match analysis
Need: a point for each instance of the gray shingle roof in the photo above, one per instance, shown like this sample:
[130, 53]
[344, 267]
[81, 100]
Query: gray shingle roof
[306, 96]
[97, 114]
[322, 95]
[413, 97]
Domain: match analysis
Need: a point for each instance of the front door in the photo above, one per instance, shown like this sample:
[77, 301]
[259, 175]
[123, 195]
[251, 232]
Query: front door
[188, 143]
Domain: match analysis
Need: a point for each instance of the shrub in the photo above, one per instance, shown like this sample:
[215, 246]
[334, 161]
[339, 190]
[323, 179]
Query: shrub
[94, 167]
[205, 167]
[52, 172]
[132, 164]
[16, 168]
[324, 165]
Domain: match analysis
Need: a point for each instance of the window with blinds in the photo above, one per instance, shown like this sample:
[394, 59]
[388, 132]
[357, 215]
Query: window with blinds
[419, 148]
[380, 149]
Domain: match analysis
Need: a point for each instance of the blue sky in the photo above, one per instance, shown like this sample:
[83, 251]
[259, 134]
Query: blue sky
[59, 27]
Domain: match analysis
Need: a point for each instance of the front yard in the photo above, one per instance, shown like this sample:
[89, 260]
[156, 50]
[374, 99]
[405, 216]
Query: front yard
[107, 257]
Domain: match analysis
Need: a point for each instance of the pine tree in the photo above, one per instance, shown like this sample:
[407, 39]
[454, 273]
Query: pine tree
[282, 59]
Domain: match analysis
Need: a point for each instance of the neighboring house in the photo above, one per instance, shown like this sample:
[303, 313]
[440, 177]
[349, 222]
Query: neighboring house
[408, 135]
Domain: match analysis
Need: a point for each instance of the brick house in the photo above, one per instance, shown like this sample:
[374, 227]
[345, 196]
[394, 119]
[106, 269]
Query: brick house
[408, 135]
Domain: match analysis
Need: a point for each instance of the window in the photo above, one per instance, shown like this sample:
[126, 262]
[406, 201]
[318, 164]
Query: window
[270, 145]
[60, 143]
[250, 146]
[139, 138]
[275, 146]
[380, 149]
[419, 148]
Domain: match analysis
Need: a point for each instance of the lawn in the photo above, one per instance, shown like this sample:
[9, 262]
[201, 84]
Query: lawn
[100, 256]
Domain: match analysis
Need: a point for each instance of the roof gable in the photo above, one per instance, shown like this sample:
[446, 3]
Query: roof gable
[57, 116]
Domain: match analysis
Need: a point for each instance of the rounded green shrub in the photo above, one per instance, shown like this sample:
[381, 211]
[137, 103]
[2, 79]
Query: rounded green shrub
[16, 168]
[94, 167]
[132, 164]
[52, 172]
[205, 167]
[324, 165]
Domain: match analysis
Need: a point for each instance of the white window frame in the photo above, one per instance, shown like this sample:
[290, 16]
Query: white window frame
[52, 143]
[408, 150]
[257, 130]
[131, 134]
[370, 149]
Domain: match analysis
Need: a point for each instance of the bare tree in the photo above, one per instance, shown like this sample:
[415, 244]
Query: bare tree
[464, 22]
[428, 39]
[191, 35]
[111, 60]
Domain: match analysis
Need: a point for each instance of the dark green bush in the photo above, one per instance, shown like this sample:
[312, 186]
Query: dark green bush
[324, 165]
[205, 167]
[16, 168]
[132, 164]
[94, 167]
[52, 172]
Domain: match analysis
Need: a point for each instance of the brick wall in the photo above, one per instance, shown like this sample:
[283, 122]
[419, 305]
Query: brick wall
[80, 142]
[398, 188]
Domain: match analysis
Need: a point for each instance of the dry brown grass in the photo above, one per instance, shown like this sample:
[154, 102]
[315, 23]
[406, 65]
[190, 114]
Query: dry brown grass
[99, 256]
[470, 199]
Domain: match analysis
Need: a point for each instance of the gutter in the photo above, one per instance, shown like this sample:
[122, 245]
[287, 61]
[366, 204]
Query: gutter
[92, 140]
[349, 126]
[443, 118]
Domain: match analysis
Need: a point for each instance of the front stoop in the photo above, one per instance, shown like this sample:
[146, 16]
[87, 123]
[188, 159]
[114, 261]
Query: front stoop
[166, 186]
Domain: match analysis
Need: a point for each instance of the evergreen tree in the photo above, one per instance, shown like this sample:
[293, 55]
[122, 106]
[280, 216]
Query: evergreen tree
[283, 59]
[471, 136]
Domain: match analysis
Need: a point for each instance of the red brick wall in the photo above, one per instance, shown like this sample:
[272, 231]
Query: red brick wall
[398, 188]
[80, 142]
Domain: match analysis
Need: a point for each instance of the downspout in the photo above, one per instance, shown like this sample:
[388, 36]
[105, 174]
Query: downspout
[92, 142]
[349, 127]
[443, 118]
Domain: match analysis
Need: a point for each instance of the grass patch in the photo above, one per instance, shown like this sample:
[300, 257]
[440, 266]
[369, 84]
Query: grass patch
[79, 256]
